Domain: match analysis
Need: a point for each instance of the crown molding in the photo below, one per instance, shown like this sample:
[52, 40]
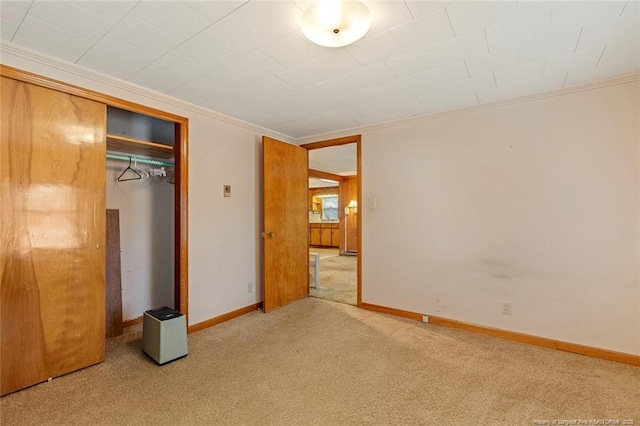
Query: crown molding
[7, 48]
[624, 79]
[10, 49]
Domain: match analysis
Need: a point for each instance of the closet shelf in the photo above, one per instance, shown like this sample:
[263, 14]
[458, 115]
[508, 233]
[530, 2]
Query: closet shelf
[136, 146]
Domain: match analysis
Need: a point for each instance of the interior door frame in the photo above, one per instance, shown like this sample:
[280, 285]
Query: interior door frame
[346, 140]
[181, 278]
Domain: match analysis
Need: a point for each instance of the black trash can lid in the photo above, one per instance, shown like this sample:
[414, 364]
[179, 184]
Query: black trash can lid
[164, 313]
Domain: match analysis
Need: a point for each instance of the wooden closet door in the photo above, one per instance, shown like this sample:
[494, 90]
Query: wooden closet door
[52, 229]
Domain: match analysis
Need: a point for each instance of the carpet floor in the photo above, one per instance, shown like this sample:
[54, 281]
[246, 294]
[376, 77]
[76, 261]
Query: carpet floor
[338, 280]
[325, 252]
[316, 362]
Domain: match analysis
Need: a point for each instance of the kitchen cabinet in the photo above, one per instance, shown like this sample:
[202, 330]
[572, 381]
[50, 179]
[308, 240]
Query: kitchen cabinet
[315, 235]
[324, 234]
[316, 204]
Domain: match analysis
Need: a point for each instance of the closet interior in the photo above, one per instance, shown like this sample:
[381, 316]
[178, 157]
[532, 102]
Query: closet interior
[140, 187]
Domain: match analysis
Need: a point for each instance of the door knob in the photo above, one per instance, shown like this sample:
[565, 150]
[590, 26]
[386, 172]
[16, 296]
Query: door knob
[267, 234]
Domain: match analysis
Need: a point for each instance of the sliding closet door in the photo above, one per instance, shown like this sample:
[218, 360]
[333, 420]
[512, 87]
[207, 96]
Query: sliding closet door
[52, 230]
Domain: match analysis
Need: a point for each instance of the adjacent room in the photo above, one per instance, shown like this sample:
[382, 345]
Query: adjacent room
[333, 225]
[325, 212]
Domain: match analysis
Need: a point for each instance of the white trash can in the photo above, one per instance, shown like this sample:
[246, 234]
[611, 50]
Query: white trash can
[164, 334]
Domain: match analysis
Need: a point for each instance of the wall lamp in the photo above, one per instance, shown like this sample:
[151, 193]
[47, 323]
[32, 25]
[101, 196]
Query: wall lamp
[352, 207]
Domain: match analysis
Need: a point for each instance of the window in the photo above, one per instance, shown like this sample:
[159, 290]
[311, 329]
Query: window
[330, 208]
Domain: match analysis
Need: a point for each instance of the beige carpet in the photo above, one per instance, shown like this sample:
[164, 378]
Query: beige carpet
[324, 252]
[321, 363]
[338, 280]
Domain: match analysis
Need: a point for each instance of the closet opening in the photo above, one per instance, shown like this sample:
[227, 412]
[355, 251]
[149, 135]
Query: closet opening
[143, 195]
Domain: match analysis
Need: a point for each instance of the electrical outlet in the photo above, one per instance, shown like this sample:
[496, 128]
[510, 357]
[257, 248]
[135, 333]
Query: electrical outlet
[249, 287]
[425, 318]
[506, 308]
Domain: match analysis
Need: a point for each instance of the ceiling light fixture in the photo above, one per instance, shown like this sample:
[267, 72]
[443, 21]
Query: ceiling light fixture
[336, 23]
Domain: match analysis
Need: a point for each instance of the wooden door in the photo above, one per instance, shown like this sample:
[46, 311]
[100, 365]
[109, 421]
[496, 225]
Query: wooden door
[52, 228]
[285, 228]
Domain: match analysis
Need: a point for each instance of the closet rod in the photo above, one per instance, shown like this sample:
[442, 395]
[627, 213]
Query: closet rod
[140, 160]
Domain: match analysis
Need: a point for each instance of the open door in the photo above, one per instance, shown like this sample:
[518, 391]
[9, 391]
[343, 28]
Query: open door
[285, 223]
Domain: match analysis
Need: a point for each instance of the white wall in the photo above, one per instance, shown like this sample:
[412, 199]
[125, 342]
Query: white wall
[224, 243]
[224, 247]
[146, 239]
[533, 203]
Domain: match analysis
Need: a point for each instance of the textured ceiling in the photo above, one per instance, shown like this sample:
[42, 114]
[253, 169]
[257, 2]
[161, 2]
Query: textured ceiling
[249, 59]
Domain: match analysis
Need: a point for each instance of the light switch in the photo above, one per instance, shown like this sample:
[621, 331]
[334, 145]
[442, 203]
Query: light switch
[373, 202]
[226, 189]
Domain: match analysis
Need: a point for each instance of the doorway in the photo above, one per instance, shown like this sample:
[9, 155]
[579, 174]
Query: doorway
[337, 164]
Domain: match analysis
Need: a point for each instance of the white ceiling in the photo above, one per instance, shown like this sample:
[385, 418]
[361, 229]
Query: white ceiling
[249, 59]
[339, 160]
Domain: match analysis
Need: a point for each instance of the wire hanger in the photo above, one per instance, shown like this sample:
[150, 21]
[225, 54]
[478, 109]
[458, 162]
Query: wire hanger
[136, 177]
[145, 174]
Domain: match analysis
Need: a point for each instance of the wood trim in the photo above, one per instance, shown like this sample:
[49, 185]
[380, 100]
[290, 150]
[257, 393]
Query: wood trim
[224, 317]
[132, 322]
[332, 142]
[495, 332]
[181, 216]
[181, 285]
[609, 355]
[391, 311]
[606, 354]
[324, 175]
